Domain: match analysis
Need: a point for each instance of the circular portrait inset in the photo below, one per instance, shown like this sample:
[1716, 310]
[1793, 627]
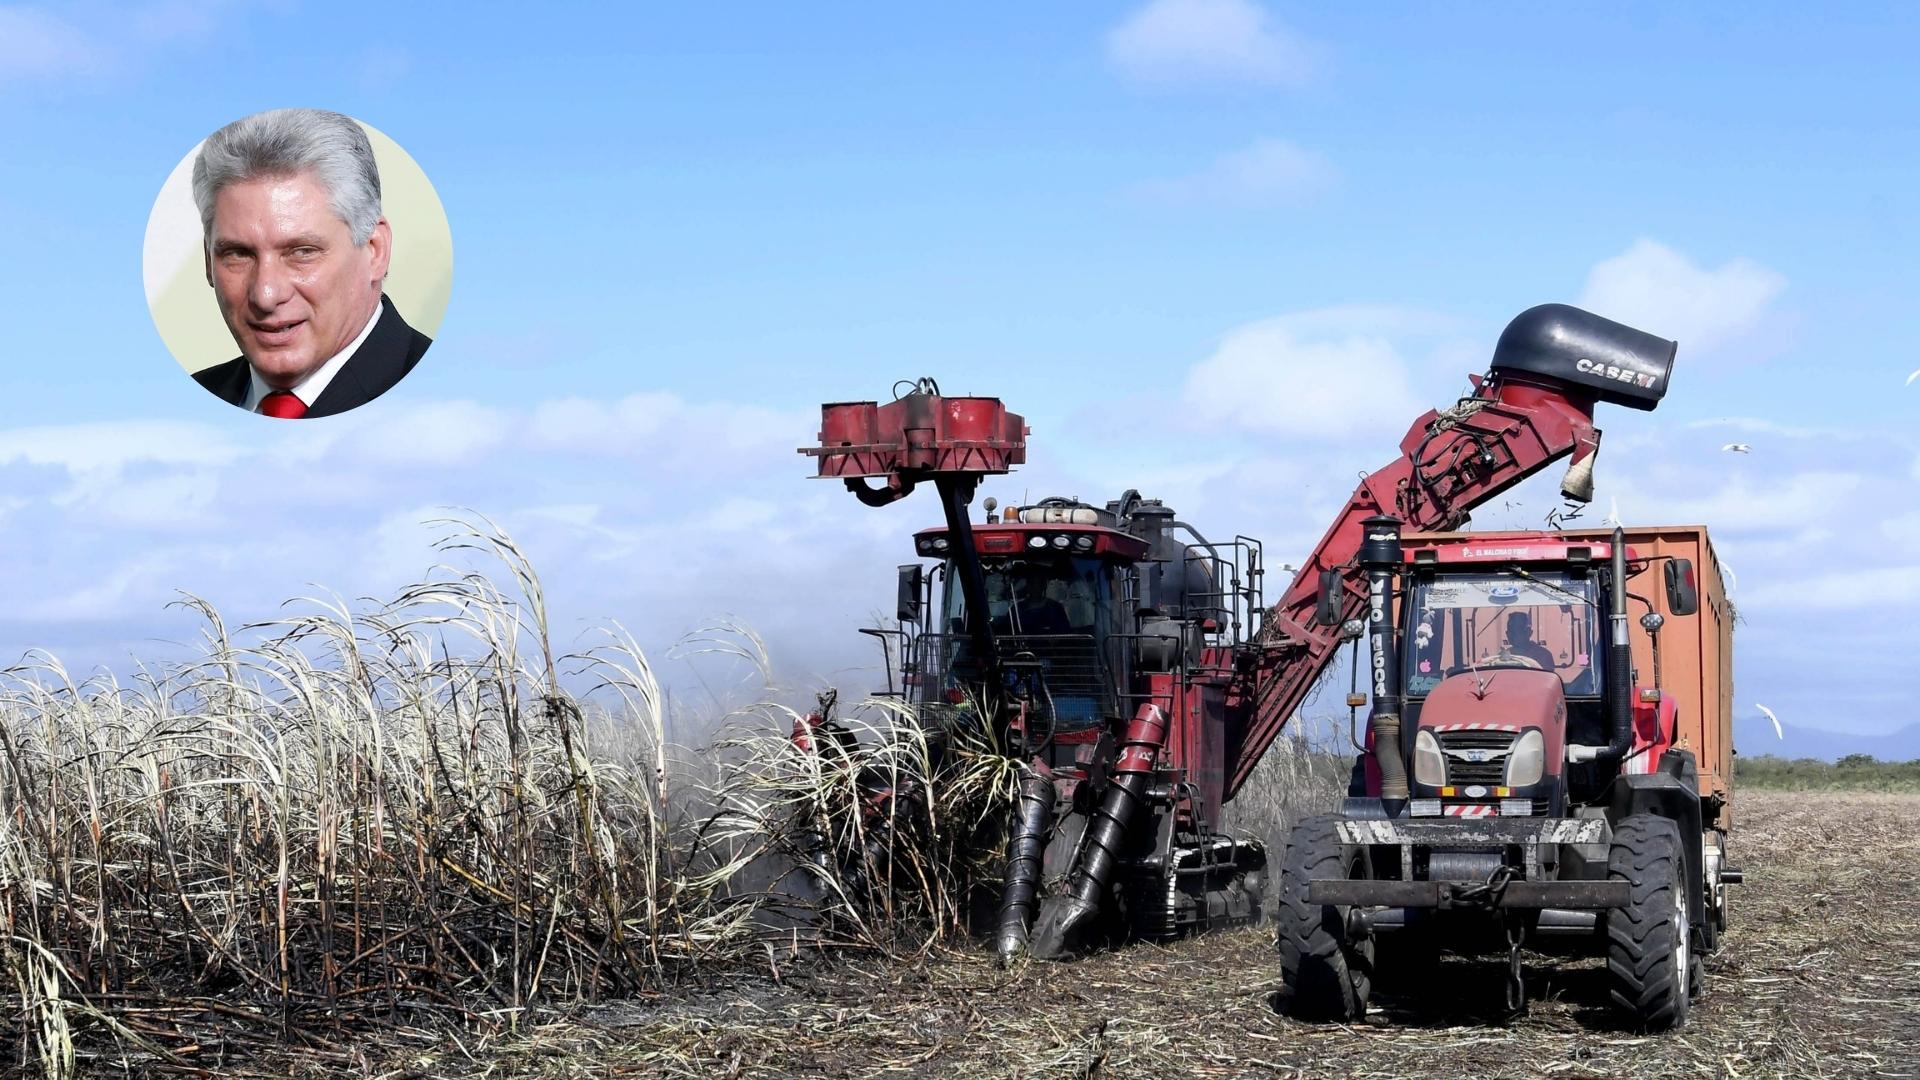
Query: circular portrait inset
[311, 246]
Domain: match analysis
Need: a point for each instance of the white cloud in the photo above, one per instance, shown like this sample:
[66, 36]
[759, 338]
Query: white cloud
[35, 43]
[1270, 171]
[110, 446]
[1737, 502]
[1903, 531]
[1881, 588]
[1655, 288]
[432, 433]
[1759, 426]
[166, 501]
[1199, 41]
[139, 581]
[651, 508]
[678, 434]
[38, 45]
[1314, 375]
[382, 67]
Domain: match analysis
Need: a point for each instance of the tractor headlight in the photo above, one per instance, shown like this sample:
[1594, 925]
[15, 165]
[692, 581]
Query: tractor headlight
[1528, 760]
[1036, 541]
[1429, 767]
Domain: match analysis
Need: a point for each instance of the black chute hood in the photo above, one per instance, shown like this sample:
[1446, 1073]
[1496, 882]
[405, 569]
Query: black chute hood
[1618, 363]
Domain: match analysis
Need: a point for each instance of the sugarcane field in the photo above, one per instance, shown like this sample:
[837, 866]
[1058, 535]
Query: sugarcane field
[1160, 538]
[1798, 992]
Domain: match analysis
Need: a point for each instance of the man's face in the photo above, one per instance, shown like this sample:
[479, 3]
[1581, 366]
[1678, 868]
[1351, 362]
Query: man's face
[293, 287]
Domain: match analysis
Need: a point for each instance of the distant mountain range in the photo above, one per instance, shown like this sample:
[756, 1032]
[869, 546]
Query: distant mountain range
[1753, 736]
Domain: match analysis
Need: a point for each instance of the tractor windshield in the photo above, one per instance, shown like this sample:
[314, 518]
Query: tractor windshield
[1462, 622]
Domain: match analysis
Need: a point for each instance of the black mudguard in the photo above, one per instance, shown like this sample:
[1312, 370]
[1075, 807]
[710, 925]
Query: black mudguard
[1671, 790]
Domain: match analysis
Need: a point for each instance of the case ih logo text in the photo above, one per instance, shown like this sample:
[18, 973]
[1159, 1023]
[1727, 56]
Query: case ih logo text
[1609, 371]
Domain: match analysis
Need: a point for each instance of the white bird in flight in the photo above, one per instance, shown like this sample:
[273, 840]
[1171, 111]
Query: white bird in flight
[1779, 734]
[1739, 447]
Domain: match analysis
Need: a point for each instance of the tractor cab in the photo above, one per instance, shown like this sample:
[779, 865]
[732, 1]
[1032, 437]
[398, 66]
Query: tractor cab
[1503, 665]
[1505, 680]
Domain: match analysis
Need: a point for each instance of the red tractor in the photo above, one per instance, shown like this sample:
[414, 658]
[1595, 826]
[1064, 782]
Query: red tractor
[1547, 755]
[1131, 664]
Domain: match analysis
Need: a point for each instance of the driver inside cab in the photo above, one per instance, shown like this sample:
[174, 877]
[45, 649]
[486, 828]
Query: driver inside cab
[1520, 641]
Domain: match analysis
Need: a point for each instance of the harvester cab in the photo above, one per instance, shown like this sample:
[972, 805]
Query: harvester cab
[1080, 601]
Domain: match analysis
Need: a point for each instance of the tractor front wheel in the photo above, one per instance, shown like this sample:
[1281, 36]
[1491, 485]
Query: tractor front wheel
[1649, 942]
[1326, 971]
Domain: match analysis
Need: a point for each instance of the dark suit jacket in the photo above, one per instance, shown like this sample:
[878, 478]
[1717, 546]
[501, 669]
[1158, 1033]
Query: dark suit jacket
[381, 361]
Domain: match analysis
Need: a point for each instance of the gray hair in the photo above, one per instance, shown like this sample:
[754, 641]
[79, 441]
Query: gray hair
[283, 142]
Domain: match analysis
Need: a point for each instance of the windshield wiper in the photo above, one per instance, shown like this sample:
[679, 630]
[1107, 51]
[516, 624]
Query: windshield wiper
[1561, 589]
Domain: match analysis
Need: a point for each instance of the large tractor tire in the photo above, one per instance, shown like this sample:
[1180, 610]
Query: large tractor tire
[1327, 972]
[1650, 942]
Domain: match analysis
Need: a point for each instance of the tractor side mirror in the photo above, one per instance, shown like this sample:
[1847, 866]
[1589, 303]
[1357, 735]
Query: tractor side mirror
[911, 581]
[1683, 592]
[1327, 611]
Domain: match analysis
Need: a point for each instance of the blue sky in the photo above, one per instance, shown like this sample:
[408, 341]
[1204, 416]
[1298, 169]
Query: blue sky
[1219, 250]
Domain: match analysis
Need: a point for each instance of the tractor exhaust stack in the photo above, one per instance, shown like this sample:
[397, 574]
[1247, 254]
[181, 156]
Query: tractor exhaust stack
[1380, 558]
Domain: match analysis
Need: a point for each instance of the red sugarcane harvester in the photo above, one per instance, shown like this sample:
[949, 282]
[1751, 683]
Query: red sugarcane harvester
[1134, 669]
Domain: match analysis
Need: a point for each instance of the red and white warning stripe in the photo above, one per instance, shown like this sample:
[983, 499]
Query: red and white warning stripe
[1474, 727]
[1469, 810]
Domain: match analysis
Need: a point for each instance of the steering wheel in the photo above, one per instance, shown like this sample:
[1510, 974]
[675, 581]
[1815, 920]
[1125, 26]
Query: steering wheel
[1499, 660]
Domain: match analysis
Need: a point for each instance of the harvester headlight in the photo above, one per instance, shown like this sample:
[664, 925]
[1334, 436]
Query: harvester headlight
[1060, 541]
[1082, 542]
[1037, 542]
[939, 543]
[1429, 767]
[1528, 761]
[926, 546]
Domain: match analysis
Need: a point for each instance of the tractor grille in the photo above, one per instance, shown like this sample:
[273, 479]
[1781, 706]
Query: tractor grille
[1492, 771]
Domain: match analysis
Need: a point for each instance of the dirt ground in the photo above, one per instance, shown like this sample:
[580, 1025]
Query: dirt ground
[1818, 976]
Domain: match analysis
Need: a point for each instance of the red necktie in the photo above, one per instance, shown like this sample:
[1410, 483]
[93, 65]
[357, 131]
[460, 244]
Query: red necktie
[283, 405]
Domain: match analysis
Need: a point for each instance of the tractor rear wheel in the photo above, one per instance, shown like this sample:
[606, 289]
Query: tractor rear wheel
[1649, 942]
[1326, 970]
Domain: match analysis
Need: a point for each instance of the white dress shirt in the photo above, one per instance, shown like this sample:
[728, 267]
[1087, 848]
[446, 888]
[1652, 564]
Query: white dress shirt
[308, 389]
